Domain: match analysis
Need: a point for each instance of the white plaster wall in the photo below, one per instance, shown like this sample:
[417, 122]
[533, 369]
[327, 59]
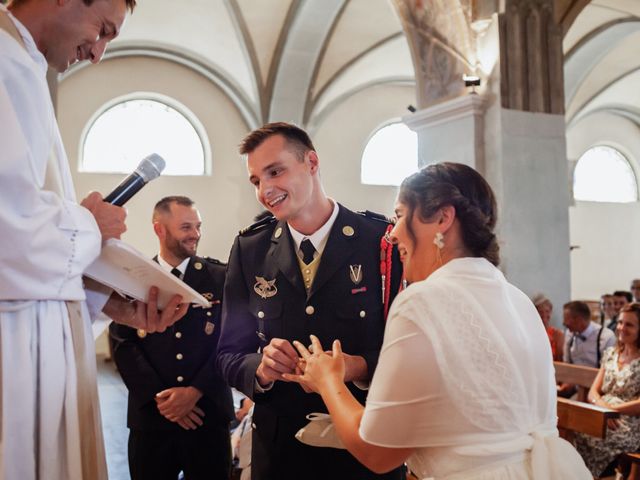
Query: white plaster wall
[342, 136]
[225, 198]
[607, 233]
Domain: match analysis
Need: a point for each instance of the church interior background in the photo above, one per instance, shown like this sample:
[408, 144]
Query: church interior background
[553, 124]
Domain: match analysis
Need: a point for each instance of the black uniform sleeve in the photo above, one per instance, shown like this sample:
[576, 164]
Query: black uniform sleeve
[238, 356]
[139, 376]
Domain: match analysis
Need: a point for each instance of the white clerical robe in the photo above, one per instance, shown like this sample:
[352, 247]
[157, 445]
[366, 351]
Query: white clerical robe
[50, 427]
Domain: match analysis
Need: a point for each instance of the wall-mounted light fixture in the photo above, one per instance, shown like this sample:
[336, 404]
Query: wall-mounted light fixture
[472, 81]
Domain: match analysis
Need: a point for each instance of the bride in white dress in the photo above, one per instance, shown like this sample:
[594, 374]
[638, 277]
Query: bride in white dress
[464, 387]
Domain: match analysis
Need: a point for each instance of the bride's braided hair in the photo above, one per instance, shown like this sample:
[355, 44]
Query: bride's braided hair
[460, 186]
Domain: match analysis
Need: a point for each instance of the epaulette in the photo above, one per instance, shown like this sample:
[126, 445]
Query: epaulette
[215, 261]
[375, 216]
[260, 224]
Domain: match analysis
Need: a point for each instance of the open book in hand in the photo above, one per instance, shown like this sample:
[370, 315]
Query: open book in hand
[128, 271]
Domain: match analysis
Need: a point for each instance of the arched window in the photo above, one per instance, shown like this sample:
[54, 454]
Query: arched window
[129, 128]
[603, 174]
[390, 155]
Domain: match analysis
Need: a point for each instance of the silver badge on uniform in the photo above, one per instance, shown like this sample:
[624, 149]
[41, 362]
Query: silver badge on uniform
[355, 272]
[209, 327]
[265, 288]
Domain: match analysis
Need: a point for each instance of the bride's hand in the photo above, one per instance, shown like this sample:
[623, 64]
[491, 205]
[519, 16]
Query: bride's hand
[321, 369]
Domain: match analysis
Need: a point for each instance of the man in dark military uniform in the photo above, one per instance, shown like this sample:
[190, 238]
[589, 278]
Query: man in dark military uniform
[179, 407]
[313, 269]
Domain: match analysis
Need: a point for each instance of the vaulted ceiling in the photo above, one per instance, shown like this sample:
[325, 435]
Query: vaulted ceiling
[277, 59]
[602, 60]
[297, 59]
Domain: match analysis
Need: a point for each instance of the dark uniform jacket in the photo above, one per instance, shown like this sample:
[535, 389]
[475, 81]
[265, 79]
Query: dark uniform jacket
[265, 298]
[184, 355]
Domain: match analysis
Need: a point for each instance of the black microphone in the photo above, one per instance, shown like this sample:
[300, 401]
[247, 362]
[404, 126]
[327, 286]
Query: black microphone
[149, 169]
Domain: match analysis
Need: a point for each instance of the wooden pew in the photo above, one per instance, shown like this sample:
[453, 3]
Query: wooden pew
[574, 416]
[580, 376]
[579, 416]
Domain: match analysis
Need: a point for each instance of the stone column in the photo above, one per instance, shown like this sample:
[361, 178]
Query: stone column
[513, 132]
[451, 131]
[526, 151]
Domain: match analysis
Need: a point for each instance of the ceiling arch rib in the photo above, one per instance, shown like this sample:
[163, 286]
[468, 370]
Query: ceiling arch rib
[592, 50]
[362, 25]
[566, 12]
[616, 65]
[203, 30]
[320, 115]
[213, 73]
[390, 61]
[250, 51]
[626, 111]
[336, 75]
[616, 92]
[298, 62]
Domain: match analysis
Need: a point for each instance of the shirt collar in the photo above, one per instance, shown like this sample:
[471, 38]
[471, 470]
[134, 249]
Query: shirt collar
[28, 40]
[586, 333]
[319, 237]
[182, 267]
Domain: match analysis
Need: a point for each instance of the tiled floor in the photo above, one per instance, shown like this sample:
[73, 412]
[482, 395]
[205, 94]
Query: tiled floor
[113, 406]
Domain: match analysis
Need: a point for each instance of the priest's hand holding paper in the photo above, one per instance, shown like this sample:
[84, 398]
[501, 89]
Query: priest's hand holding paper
[145, 316]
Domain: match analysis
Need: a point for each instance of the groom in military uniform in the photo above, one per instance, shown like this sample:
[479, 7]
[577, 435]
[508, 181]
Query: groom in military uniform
[179, 407]
[314, 267]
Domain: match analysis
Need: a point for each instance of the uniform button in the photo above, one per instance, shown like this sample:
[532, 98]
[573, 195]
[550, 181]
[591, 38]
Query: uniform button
[309, 310]
[363, 314]
[209, 314]
[180, 378]
[260, 314]
[178, 334]
[307, 271]
[179, 356]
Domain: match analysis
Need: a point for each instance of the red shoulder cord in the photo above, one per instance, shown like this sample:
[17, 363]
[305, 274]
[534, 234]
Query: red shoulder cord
[386, 253]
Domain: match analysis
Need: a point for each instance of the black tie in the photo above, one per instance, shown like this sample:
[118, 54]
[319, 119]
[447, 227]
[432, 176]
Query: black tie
[307, 251]
[176, 272]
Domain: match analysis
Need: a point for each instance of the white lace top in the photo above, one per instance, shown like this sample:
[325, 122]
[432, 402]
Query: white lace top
[466, 376]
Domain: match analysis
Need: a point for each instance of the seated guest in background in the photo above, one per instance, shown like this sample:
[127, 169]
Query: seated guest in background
[607, 309]
[585, 343]
[465, 382]
[621, 299]
[179, 407]
[556, 337]
[617, 386]
[635, 289]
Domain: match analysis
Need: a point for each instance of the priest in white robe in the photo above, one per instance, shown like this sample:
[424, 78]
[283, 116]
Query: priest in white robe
[49, 414]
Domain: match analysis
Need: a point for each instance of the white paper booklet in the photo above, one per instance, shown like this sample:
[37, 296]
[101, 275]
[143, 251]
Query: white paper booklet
[128, 271]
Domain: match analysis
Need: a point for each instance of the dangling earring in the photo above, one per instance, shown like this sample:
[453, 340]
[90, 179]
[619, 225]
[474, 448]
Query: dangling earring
[438, 241]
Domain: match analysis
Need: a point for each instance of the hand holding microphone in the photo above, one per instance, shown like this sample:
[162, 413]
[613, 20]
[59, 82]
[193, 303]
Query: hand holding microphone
[108, 212]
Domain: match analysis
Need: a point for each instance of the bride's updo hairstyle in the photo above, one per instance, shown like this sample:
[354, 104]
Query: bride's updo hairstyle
[460, 186]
